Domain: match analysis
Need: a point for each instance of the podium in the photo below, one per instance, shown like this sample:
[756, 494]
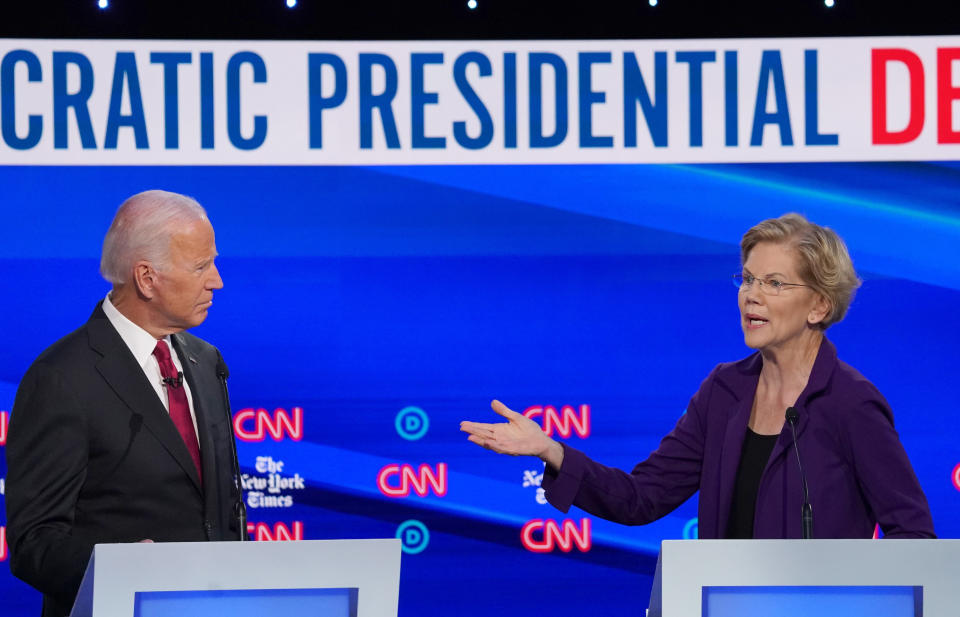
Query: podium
[334, 578]
[822, 578]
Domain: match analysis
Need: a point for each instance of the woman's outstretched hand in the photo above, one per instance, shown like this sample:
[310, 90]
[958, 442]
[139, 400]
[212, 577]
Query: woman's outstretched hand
[518, 436]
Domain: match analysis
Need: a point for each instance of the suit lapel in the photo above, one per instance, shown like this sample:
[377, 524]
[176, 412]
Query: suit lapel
[730, 458]
[785, 441]
[121, 372]
[742, 385]
[817, 382]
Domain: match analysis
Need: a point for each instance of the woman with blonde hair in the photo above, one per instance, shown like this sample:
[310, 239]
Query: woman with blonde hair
[734, 443]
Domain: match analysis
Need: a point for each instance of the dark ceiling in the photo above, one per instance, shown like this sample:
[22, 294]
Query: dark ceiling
[492, 19]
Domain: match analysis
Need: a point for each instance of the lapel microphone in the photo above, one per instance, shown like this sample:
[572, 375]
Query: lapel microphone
[174, 382]
[806, 512]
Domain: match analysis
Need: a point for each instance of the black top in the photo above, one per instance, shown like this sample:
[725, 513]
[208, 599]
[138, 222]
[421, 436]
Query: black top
[753, 459]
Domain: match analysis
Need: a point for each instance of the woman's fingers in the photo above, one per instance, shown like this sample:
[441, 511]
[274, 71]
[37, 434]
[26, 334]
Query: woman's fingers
[477, 428]
[503, 410]
[480, 441]
[496, 445]
[518, 436]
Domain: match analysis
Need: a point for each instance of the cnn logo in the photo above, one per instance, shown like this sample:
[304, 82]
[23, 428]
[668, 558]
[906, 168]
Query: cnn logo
[398, 480]
[4, 423]
[280, 533]
[255, 424]
[543, 536]
[565, 422]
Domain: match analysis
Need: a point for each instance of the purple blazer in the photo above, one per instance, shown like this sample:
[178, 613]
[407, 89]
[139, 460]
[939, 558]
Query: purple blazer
[857, 470]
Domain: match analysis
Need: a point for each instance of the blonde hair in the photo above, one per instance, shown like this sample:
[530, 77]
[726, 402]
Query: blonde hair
[823, 260]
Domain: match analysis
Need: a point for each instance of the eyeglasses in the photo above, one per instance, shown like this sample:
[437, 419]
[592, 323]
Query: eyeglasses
[769, 286]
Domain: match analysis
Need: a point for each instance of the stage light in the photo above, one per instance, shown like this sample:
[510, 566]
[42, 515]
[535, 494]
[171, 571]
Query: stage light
[829, 3]
[471, 4]
[653, 2]
[291, 3]
[103, 3]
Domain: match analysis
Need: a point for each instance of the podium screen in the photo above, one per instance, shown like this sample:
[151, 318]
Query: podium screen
[826, 601]
[248, 603]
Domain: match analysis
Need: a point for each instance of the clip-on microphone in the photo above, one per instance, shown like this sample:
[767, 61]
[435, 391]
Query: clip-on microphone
[174, 382]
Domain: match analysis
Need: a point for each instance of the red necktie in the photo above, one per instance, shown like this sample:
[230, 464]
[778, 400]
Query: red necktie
[177, 399]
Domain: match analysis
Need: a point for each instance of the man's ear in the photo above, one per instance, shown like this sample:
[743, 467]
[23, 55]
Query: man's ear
[145, 279]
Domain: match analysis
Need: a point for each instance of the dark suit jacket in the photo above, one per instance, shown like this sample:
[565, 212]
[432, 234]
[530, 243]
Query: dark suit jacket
[93, 457]
[856, 467]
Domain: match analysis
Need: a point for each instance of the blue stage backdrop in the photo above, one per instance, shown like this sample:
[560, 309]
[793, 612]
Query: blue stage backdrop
[368, 310]
[369, 306]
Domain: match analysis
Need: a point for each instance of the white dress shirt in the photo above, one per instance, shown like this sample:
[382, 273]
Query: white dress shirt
[141, 344]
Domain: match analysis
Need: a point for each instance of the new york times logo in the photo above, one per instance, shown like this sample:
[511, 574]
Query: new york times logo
[533, 478]
[272, 489]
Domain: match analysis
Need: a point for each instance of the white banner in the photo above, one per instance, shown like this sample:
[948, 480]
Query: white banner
[86, 102]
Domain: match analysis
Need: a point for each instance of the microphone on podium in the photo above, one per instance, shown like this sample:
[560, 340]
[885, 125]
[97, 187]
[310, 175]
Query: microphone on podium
[806, 512]
[239, 508]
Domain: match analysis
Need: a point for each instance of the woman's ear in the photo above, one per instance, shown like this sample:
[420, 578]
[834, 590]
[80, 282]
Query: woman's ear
[819, 311]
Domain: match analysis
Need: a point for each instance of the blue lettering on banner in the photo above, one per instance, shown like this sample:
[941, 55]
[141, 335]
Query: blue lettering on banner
[64, 101]
[318, 102]
[811, 103]
[171, 62]
[419, 99]
[536, 63]
[634, 91]
[382, 102]
[8, 106]
[470, 96]
[206, 100]
[330, 84]
[510, 100]
[233, 101]
[730, 99]
[771, 70]
[125, 71]
[588, 97]
[695, 61]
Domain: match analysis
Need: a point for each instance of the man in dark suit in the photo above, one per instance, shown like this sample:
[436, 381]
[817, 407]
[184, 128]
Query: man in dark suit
[120, 431]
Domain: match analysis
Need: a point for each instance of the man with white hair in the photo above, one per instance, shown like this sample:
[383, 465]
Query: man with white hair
[121, 431]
